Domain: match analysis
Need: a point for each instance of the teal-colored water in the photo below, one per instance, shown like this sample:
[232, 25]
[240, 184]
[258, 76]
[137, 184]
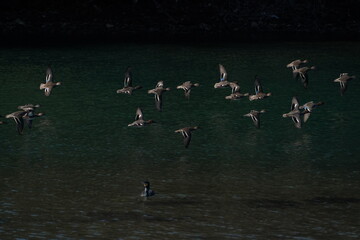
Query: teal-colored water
[77, 174]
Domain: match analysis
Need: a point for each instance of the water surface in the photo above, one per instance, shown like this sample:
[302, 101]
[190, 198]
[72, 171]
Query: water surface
[77, 173]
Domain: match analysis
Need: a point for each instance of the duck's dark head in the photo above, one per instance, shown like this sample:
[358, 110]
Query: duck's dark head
[146, 184]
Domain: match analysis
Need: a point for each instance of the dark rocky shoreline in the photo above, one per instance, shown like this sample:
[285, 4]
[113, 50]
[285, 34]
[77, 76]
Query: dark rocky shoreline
[177, 20]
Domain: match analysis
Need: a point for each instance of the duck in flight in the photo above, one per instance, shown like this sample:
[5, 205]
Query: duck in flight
[302, 73]
[49, 84]
[235, 92]
[294, 113]
[139, 119]
[255, 116]
[259, 94]
[30, 113]
[296, 64]
[186, 133]
[186, 86]
[158, 92]
[18, 118]
[128, 88]
[223, 82]
[343, 81]
[308, 108]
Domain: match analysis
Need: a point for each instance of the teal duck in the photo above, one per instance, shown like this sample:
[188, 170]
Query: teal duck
[158, 91]
[255, 116]
[259, 94]
[296, 63]
[139, 119]
[186, 133]
[343, 80]
[128, 88]
[186, 86]
[295, 113]
[303, 74]
[49, 84]
[147, 191]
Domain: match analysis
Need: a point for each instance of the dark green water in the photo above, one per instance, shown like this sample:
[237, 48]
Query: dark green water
[77, 174]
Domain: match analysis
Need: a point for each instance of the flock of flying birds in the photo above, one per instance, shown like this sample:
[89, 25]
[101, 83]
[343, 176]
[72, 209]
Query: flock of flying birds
[298, 113]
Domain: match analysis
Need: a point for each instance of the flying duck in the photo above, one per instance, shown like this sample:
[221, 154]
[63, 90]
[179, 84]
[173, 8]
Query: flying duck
[28, 107]
[147, 191]
[343, 80]
[30, 116]
[186, 132]
[158, 91]
[128, 88]
[139, 120]
[308, 108]
[49, 84]
[236, 96]
[30, 113]
[186, 86]
[223, 82]
[296, 63]
[303, 74]
[255, 116]
[259, 94]
[294, 113]
[18, 118]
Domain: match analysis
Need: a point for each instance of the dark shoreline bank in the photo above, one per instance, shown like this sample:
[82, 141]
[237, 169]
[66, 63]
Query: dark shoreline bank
[93, 21]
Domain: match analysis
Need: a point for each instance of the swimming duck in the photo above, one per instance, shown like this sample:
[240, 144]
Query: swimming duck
[18, 118]
[158, 91]
[343, 80]
[186, 86]
[296, 63]
[259, 94]
[303, 74]
[308, 108]
[255, 116]
[49, 84]
[139, 120]
[223, 82]
[294, 113]
[128, 88]
[186, 132]
[147, 191]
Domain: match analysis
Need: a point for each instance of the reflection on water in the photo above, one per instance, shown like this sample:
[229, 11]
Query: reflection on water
[78, 172]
